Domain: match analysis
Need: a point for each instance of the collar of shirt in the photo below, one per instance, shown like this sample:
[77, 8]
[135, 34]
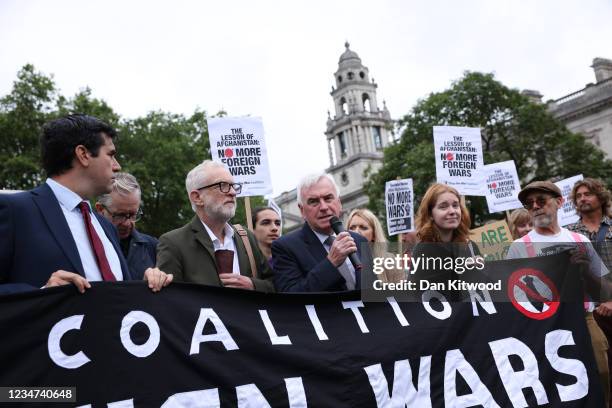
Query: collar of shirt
[322, 237]
[580, 227]
[229, 237]
[66, 197]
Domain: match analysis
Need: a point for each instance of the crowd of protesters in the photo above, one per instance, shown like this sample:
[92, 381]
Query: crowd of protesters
[52, 236]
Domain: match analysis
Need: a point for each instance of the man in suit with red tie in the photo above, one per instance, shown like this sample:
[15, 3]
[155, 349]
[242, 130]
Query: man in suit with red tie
[50, 235]
[208, 250]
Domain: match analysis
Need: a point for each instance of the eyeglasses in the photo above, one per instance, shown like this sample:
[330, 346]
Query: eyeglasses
[540, 201]
[122, 217]
[224, 187]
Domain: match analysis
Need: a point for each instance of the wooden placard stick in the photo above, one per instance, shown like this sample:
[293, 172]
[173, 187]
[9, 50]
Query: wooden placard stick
[247, 211]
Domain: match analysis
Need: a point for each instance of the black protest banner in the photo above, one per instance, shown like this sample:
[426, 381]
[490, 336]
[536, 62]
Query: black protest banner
[210, 347]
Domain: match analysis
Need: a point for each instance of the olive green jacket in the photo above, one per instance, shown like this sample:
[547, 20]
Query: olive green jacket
[188, 253]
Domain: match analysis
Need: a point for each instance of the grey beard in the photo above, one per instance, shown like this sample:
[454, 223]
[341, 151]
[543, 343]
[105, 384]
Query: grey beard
[220, 212]
[542, 221]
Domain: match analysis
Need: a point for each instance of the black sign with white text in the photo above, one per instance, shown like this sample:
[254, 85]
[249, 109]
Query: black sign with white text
[216, 347]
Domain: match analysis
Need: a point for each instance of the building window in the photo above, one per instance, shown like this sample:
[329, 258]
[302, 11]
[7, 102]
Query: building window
[377, 138]
[593, 136]
[365, 98]
[350, 75]
[343, 106]
[344, 180]
[361, 75]
[342, 143]
[339, 78]
[332, 152]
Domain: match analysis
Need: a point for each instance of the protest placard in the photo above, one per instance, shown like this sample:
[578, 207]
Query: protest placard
[459, 160]
[399, 197]
[502, 186]
[493, 240]
[240, 145]
[567, 213]
[272, 204]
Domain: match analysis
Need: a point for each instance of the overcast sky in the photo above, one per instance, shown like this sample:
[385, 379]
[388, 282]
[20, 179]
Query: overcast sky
[276, 59]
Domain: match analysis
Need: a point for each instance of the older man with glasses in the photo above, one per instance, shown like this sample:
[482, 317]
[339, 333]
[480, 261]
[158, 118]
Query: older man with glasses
[122, 208]
[209, 250]
[543, 199]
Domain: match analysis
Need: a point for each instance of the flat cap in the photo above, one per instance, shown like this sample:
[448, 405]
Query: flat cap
[544, 186]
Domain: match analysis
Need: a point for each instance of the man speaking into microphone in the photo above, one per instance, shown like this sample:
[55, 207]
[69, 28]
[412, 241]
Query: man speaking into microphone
[315, 258]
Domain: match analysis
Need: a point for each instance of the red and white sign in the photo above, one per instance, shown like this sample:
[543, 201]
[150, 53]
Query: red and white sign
[240, 145]
[533, 293]
[459, 159]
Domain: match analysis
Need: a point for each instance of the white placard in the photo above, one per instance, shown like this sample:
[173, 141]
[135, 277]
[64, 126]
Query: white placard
[240, 145]
[567, 213]
[459, 160]
[502, 186]
[399, 197]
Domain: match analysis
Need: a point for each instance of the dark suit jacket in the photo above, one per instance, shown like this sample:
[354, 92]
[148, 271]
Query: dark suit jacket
[141, 254]
[35, 240]
[301, 264]
[188, 253]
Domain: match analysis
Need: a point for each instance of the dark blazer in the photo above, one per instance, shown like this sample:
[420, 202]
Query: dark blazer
[141, 253]
[188, 253]
[301, 264]
[35, 240]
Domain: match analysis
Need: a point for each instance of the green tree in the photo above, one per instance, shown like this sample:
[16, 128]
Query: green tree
[23, 111]
[512, 128]
[159, 149]
[84, 102]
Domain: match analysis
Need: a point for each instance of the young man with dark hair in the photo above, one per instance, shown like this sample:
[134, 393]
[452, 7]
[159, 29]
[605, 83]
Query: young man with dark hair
[50, 236]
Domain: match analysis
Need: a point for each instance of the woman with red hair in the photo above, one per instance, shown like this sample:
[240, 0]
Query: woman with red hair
[443, 225]
[442, 217]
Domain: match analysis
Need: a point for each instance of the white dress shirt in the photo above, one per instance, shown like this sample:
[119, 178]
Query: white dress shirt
[228, 243]
[69, 203]
[347, 262]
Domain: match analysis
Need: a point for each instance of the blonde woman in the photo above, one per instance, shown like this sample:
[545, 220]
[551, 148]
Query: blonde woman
[365, 223]
[520, 223]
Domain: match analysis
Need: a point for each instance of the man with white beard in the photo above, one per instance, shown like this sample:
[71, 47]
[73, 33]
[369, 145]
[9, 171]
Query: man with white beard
[543, 199]
[208, 250]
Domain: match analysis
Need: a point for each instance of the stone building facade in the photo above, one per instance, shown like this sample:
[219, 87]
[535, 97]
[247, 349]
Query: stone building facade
[356, 136]
[589, 110]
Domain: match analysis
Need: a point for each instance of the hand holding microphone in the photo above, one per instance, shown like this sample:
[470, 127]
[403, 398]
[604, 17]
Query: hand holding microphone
[344, 245]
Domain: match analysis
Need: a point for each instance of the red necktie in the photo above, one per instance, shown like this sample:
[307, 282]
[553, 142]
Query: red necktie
[225, 261]
[96, 244]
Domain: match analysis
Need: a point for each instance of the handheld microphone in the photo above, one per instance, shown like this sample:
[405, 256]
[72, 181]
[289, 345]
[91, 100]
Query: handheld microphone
[337, 226]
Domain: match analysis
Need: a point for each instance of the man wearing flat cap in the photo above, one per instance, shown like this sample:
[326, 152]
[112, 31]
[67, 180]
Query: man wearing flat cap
[543, 199]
